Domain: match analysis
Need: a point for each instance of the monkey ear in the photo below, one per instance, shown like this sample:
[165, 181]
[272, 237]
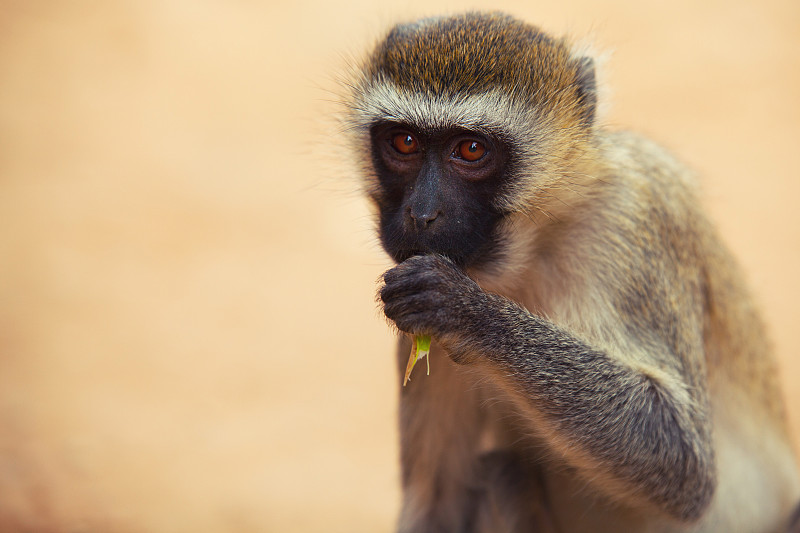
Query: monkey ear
[587, 90]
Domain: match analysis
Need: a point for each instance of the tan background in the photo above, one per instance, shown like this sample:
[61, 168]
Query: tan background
[188, 335]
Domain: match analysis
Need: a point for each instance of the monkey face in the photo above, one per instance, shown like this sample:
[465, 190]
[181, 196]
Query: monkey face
[436, 192]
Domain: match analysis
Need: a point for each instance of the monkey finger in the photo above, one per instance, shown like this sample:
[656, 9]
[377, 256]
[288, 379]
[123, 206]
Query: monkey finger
[432, 263]
[409, 268]
[413, 323]
[430, 291]
[411, 281]
[416, 303]
[398, 283]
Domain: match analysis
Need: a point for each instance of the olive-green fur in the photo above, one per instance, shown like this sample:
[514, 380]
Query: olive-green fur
[476, 53]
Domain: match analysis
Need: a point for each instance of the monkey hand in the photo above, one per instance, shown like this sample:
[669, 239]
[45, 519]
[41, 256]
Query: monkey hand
[429, 295]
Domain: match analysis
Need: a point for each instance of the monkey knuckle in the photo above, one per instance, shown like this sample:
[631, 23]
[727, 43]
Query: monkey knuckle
[391, 297]
[413, 261]
[429, 264]
[411, 323]
[390, 274]
[411, 302]
[387, 289]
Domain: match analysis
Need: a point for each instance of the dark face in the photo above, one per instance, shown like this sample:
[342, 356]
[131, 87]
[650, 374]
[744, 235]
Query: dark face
[437, 191]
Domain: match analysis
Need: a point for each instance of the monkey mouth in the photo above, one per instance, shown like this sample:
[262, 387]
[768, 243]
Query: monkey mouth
[459, 258]
[466, 247]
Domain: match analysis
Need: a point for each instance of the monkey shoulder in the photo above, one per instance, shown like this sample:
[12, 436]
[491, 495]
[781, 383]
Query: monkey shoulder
[640, 164]
[655, 200]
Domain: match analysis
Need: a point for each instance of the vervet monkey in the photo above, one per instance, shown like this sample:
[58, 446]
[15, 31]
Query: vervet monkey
[598, 364]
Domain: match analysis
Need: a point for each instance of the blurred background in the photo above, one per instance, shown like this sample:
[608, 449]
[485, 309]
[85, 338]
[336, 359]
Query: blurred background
[189, 340]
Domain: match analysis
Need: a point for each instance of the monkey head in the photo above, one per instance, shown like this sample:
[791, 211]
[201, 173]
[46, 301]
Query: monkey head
[455, 137]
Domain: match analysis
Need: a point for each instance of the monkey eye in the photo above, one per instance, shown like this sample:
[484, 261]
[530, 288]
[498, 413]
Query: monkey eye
[405, 143]
[469, 150]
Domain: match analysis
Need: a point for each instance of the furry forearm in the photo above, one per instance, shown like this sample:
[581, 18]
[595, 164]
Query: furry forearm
[625, 421]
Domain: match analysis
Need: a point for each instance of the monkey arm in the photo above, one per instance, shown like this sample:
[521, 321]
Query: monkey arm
[606, 416]
[639, 432]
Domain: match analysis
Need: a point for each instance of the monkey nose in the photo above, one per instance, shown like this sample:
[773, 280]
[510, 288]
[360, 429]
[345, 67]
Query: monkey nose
[423, 218]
